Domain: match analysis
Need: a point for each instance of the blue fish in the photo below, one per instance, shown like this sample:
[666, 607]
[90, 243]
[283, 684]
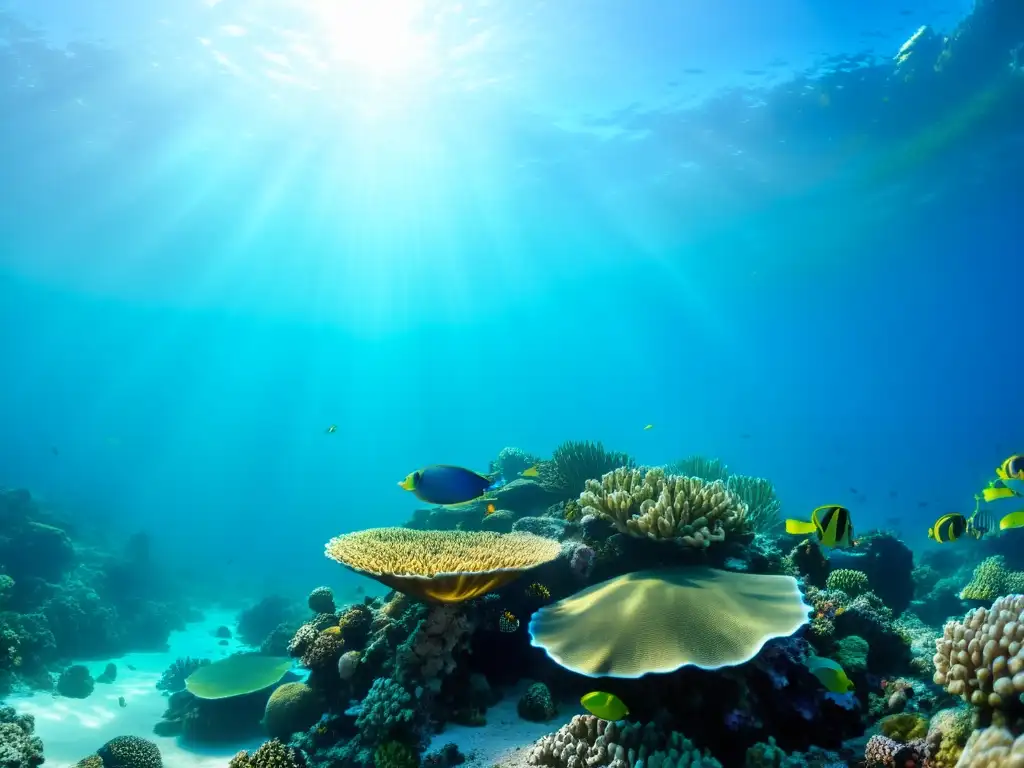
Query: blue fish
[445, 484]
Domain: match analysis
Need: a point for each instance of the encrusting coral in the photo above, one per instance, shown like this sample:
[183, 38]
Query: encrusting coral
[442, 566]
[980, 658]
[587, 741]
[650, 504]
[991, 580]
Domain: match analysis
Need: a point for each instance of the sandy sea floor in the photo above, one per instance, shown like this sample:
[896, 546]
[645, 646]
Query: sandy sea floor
[75, 728]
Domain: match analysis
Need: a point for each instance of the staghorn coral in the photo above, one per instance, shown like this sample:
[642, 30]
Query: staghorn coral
[271, 754]
[321, 600]
[980, 658]
[19, 748]
[573, 463]
[587, 741]
[650, 504]
[993, 748]
[443, 566]
[991, 580]
[853, 583]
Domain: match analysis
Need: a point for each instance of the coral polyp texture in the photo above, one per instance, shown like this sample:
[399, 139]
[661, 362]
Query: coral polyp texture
[658, 621]
[980, 659]
[647, 503]
[991, 579]
[589, 741]
[442, 566]
[993, 748]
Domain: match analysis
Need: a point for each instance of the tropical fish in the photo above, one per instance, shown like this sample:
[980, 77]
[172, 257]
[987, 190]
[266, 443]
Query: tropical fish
[997, 490]
[606, 706]
[121, 702]
[490, 509]
[508, 622]
[531, 472]
[1011, 472]
[1012, 520]
[948, 528]
[649, 426]
[830, 522]
[331, 429]
[538, 590]
[980, 522]
[830, 674]
[445, 484]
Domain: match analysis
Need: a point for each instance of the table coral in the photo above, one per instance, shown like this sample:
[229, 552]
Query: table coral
[650, 504]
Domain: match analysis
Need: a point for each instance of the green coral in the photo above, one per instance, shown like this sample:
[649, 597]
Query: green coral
[573, 463]
[852, 653]
[991, 580]
[292, 707]
[395, 754]
[699, 466]
[853, 583]
[904, 727]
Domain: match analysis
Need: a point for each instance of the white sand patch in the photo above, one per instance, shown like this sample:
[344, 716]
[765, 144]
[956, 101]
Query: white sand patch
[74, 728]
[506, 737]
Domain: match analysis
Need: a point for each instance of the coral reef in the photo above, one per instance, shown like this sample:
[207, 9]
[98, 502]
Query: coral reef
[291, 707]
[853, 583]
[589, 741]
[173, 678]
[536, 704]
[574, 463]
[980, 658]
[650, 504]
[991, 579]
[18, 747]
[271, 754]
[130, 752]
[993, 747]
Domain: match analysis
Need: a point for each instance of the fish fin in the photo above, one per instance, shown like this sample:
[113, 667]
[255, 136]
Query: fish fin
[931, 533]
[799, 527]
[993, 493]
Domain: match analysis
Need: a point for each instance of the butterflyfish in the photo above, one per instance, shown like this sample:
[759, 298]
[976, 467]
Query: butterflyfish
[508, 622]
[1011, 472]
[948, 528]
[606, 706]
[445, 484]
[1012, 520]
[830, 523]
[996, 490]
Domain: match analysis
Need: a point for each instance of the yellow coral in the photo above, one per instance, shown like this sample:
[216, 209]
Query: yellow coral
[951, 729]
[650, 504]
[991, 580]
[853, 583]
[904, 727]
[445, 566]
[335, 630]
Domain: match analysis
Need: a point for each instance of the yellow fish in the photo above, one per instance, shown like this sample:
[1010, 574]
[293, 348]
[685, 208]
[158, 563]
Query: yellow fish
[606, 706]
[649, 426]
[830, 674]
[830, 522]
[1012, 520]
[996, 490]
[531, 472]
[1011, 472]
[948, 528]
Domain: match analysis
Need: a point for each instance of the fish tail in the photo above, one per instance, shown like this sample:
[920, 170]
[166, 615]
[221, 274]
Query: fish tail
[799, 527]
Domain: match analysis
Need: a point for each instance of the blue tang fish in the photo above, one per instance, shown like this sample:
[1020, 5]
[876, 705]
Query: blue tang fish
[445, 484]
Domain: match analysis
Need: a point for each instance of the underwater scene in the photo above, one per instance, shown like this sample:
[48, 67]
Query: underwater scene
[511, 383]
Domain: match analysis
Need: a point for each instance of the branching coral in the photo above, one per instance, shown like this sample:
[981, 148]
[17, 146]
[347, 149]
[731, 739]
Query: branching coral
[650, 504]
[387, 713]
[980, 658]
[991, 580]
[588, 741]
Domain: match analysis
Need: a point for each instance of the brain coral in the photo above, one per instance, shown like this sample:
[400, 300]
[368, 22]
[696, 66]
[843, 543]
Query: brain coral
[588, 741]
[292, 707]
[130, 752]
[444, 566]
[980, 658]
[650, 504]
